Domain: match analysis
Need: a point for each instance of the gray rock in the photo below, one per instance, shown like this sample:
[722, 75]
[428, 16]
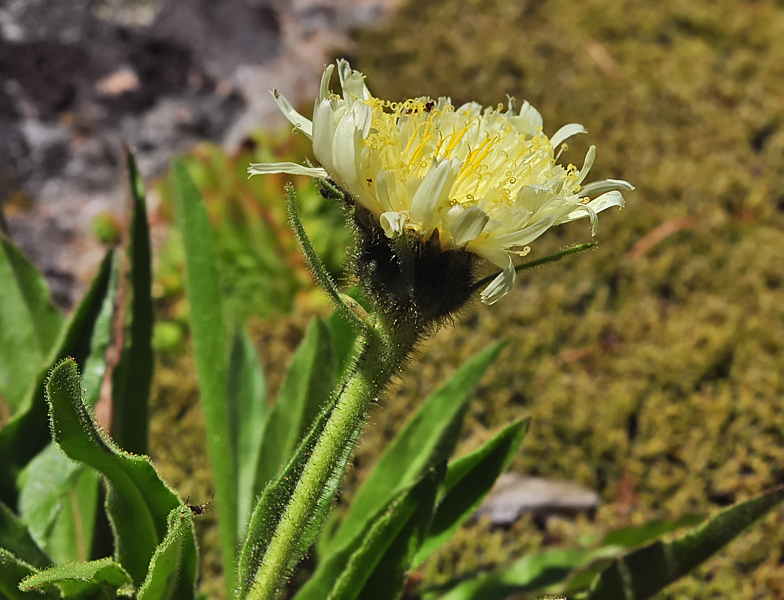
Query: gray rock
[222, 35]
[82, 77]
[68, 22]
[47, 144]
[515, 495]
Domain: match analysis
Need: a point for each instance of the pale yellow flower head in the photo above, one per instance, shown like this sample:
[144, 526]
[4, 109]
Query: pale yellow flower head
[485, 179]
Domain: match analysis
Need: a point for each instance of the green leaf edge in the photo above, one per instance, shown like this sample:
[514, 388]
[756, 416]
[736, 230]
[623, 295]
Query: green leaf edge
[12, 571]
[376, 569]
[498, 452]
[26, 434]
[104, 570]
[132, 377]
[210, 341]
[123, 471]
[462, 385]
[632, 577]
[164, 573]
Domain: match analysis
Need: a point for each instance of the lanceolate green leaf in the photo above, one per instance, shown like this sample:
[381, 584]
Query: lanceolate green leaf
[428, 438]
[632, 537]
[377, 568]
[211, 348]
[72, 535]
[53, 486]
[644, 572]
[468, 481]
[94, 366]
[248, 411]
[305, 391]
[533, 572]
[376, 537]
[138, 501]
[50, 483]
[132, 376]
[16, 539]
[618, 541]
[12, 571]
[79, 579]
[29, 324]
[48, 320]
[540, 571]
[344, 338]
[27, 433]
[164, 573]
[47, 501]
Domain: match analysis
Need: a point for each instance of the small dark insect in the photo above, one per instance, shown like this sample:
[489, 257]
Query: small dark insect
[199, 509]
[429, 105]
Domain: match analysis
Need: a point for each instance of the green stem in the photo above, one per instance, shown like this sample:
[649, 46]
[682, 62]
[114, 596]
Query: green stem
[380, 360]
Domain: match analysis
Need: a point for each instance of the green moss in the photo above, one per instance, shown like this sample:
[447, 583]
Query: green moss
[655, 378]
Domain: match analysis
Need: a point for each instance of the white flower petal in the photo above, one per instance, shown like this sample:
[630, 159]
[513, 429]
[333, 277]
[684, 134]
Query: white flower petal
[432, 192]
[594, 220]
[607, 200]
[325, 79]
[352, 82]
[468, 225]
[323, 133]
[595, 206]
[363, 117]
[605, 185]
[389, 192]
[501, 285]
[565, 132]
[533, 197]
[300, 122]
[491, 253]
[470, 109]
[589, 158]
[525, 236]
[344, 151]
[530, 114]
[452, 213]
[393, 223]
[286, 167]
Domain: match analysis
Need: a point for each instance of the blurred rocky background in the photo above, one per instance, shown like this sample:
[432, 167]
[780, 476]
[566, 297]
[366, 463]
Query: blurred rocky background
[79, 79]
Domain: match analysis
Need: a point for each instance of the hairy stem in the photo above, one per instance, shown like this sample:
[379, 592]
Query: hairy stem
[380, 359]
